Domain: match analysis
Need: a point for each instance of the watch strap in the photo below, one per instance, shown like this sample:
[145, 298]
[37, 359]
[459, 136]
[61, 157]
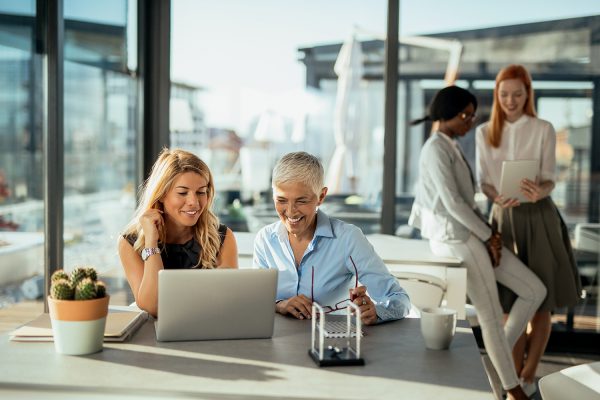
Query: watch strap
[148, 251]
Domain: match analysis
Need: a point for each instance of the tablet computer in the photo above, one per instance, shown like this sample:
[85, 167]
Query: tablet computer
[513, 172]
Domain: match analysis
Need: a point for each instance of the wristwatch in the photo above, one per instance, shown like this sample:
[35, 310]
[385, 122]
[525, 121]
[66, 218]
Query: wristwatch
[147, 252]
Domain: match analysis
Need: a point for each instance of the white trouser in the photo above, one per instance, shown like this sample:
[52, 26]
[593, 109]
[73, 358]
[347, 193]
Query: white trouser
[483, 292]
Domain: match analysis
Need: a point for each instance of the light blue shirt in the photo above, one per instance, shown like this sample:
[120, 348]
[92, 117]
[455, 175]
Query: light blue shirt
[328, 255]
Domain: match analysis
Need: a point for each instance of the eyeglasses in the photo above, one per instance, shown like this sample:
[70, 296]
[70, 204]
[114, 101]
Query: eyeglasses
[340, 305]
[467, 117]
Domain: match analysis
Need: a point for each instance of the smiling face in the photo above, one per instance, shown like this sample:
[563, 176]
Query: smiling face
[512, 95]
[296, 204]
[186, 200]
[460, 124]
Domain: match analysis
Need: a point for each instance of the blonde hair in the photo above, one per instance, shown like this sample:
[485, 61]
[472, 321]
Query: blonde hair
[167, 168]
[299, 167]
[497, 118]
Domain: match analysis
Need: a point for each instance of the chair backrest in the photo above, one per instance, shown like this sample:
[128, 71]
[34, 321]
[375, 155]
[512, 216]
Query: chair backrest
[425, 290]
[577, 382]
[587, 237]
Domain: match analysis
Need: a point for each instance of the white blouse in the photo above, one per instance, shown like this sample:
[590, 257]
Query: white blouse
[527, 138]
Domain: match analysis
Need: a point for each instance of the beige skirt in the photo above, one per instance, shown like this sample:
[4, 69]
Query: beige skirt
[537, 234]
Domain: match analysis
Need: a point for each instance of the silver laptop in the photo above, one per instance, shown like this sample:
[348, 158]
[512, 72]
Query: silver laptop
[213, 304]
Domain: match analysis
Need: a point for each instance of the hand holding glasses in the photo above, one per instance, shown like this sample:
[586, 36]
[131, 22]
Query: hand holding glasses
[340, 305]
[300, 306]
[357, 295]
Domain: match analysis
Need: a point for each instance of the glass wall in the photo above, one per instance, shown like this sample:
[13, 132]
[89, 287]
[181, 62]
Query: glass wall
[241, 98]
[571, 116]
[21, 146]
[100, 123]
[100, 141]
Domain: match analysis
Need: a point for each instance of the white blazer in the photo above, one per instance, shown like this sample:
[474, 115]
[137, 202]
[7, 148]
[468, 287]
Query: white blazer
[444, 206]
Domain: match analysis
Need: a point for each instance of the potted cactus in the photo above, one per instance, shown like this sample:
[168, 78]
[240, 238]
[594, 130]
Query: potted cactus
[78, 306]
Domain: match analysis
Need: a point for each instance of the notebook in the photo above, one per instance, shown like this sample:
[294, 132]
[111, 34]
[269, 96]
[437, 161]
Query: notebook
[513, 172]
[120, 325]
[214, 304]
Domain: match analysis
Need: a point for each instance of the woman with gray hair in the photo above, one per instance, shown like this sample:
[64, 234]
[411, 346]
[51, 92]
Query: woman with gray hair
[319, 258]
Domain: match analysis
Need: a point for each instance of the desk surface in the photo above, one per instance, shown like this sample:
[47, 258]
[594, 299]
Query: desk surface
[396, 250]
[397, 365]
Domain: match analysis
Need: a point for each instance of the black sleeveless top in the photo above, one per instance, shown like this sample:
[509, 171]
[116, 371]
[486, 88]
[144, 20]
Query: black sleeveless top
[181, 256]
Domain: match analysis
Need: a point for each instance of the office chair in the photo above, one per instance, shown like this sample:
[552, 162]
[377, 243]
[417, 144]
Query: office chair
[577, 382]
[425, 290]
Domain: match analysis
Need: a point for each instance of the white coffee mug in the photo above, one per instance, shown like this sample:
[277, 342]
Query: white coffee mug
[438, 326]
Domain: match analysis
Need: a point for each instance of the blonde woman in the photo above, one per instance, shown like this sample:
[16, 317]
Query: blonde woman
[174, 226]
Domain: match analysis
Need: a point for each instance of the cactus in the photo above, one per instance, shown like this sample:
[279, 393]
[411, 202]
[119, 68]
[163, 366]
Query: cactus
[82, 284]
[85, 289]
[100, 289]
[59, 274]
[77, 275]
[61, 290]
[91, 273]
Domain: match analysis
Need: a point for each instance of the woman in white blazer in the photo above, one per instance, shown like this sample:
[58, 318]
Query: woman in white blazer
[445, 212]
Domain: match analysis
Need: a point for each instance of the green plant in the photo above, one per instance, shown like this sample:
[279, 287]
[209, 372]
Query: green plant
[85, 289]
[80, 273]
[100, 289]
[82, 284]
[61, 290]
[59, 274]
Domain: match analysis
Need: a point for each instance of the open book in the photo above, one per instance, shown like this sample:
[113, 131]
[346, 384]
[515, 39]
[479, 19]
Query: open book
[120, 326]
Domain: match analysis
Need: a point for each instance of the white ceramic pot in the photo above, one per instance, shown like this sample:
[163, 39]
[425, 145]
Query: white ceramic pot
[78, 325]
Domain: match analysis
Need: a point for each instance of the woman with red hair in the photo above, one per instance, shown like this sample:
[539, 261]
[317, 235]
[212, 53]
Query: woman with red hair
[534, 230]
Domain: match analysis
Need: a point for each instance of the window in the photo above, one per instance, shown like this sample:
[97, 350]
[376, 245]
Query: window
[21, 124]
[244, 94]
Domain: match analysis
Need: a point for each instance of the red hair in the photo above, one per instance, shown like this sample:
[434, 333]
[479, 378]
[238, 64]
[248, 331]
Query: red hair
[497, 118]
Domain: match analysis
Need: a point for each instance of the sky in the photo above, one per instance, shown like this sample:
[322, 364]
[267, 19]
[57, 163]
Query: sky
[239, 50]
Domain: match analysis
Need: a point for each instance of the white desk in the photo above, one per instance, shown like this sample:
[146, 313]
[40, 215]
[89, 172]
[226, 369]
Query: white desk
[399, 254]
[21, 257]
[397, 366]
[396, 250]
[411, 255]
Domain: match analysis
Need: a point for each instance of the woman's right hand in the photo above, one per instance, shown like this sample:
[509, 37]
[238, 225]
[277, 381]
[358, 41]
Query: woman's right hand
[152, 222]
[506, 203]
[298, 306]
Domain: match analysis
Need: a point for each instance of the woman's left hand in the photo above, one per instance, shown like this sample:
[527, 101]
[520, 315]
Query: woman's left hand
[368, 313]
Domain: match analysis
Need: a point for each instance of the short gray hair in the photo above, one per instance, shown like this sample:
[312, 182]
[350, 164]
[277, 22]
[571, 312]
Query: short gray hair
[299, 167]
